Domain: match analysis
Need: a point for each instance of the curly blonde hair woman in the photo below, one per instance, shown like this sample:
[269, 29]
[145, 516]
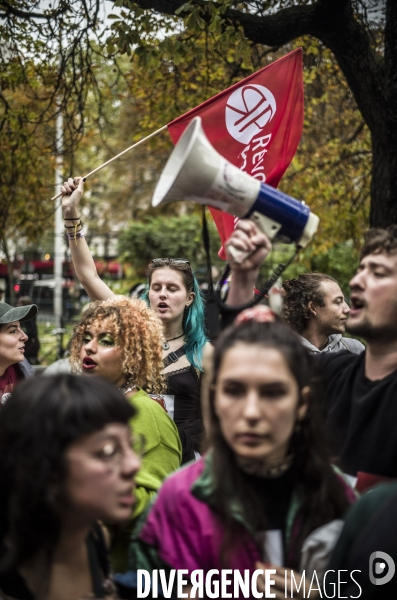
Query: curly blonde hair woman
[138, 334]
[121, 339]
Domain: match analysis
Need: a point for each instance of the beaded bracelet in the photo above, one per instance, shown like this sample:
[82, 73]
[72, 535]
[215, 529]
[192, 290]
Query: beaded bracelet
[75, 235]
[75, 230]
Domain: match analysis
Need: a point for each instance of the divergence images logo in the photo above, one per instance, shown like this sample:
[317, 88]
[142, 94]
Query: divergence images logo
[378, 561]
[248, 110]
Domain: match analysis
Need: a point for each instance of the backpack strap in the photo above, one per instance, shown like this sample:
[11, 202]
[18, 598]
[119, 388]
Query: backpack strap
[174, 356]
[344, 343]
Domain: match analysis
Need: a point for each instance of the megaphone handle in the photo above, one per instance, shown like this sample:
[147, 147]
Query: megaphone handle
[266, 225]
[263, 291]
[238, 256]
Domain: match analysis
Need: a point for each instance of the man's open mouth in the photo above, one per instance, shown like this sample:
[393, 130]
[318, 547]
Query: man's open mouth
[356, 303]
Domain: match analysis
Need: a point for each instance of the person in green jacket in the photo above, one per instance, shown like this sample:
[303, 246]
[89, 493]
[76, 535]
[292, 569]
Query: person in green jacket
[121, 340]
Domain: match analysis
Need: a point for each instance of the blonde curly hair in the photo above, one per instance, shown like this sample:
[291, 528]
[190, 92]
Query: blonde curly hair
[139, 333]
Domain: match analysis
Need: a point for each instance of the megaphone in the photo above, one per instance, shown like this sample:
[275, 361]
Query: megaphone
[196, 171]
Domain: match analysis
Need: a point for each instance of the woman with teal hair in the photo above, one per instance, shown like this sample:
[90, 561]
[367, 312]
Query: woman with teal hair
[173, 293]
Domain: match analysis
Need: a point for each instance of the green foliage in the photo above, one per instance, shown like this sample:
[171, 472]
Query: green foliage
[202, 49]
[161, 66]
[159, 237]
[48, 63]
[26, 158]
[204, 32]
[340, 262]
[47, 48]
[49, 343]
[332, 166]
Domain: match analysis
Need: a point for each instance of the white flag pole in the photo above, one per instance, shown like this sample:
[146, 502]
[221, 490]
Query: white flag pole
[116, 157]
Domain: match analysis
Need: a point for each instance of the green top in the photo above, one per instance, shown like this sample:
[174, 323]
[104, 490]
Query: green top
[162, 456]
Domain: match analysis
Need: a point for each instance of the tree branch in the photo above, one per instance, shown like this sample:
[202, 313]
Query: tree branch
[10, 9]
[345, 35]
[331, 21]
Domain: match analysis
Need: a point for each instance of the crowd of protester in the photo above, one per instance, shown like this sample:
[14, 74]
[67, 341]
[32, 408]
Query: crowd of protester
[284, 425]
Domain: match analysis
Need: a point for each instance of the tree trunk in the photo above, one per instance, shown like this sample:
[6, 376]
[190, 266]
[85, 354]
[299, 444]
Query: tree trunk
[384, 181]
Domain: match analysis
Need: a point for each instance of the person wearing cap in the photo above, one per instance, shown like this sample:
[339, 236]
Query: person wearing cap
[32, 346]
[13, 364]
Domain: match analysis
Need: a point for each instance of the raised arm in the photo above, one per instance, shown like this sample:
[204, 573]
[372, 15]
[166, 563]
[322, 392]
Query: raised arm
[72, 191]
[248, 238]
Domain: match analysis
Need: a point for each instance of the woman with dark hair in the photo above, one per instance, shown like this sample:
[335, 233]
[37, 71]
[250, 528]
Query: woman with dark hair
[266, 487]
[29, 326]
[66, 463]
[13, 364]
[174, 295]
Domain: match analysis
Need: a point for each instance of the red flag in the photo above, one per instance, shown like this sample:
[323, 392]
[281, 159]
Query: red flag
[256, 124]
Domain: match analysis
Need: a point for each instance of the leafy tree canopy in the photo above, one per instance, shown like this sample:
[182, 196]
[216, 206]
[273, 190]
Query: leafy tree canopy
[179, 236]
[162, 58]
[361, 35]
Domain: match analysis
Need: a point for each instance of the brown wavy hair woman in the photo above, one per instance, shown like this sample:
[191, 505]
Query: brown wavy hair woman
[139, 335]
[121, 339]
[173, 294]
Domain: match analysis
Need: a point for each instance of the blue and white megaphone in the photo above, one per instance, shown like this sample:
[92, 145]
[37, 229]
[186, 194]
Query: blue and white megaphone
[196, 171]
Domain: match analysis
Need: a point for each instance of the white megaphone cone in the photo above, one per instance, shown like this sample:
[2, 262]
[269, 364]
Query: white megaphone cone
[196, 171]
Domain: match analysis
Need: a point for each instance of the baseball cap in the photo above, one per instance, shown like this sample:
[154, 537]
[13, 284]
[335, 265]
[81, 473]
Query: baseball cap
[9, 314]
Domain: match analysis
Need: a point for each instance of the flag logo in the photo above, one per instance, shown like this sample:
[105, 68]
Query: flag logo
[246, 114]
[248, 110]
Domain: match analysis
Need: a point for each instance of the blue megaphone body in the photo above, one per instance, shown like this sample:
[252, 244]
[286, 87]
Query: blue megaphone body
[282, 209]
[196, 171]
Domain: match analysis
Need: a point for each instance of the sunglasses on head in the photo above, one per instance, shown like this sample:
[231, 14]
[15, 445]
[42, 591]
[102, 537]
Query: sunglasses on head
[170, 261]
